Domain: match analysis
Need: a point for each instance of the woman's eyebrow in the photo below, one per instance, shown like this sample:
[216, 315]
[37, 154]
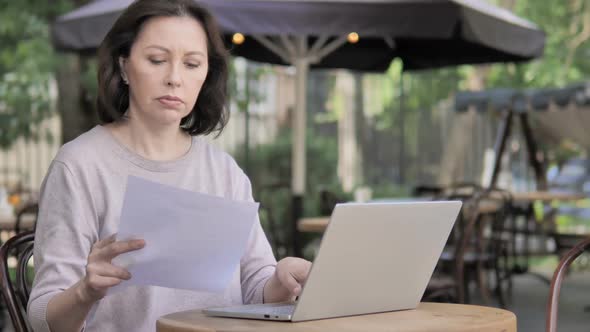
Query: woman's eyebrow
[196, 53]
[162, 48]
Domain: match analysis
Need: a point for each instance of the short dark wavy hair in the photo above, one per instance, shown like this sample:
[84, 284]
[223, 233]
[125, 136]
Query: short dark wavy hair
[209, 113]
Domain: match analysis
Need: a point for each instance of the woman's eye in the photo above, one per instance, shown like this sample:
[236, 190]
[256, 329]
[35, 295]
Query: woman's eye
[193, 65]
[156, 62]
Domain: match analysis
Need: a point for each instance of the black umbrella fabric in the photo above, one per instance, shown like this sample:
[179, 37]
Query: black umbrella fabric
[557, 113]
[423, 33]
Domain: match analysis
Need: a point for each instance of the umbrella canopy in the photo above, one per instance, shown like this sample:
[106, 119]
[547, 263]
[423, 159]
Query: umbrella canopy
[423, 33]
[557, 113]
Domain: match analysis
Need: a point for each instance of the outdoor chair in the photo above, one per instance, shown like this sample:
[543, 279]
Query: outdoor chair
[560, 271]
[22, 224]
[444, 285]
[427, 191]
[491, 251]
[328, 200]
[16, 293]
[461, 190]
[477, 246]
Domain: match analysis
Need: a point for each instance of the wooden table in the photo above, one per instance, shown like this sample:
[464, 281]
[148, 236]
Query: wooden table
[313, 225]
[319, 224]
[427, 317]
[8, 222]
[547, 196]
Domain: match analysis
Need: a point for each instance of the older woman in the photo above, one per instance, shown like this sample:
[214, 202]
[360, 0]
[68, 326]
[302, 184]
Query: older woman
[162, 85]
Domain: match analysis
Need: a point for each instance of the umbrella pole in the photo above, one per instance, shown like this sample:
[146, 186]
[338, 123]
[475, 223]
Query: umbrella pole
[500, 145]
[298, 152]
[247, 120]
[402, 120]
[532, 150]
[296, 52]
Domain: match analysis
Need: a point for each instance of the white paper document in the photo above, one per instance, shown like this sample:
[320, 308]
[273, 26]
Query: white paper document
[193, 241]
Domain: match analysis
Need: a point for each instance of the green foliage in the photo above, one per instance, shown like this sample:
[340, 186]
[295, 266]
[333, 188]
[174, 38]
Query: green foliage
[566, 59]
[387, 190]
[271, 165]
[270, 174]
[240, 83]
[89, 76]
[27, 63]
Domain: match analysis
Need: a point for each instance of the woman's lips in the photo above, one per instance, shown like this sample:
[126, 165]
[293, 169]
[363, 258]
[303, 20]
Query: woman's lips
[172, 102]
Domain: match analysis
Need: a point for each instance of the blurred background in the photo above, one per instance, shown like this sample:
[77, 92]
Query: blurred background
[370, 136]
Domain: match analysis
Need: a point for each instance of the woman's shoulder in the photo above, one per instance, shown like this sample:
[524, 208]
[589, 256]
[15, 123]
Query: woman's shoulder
[214, 154]
[223, 166]
[83, 148]
[220, 163]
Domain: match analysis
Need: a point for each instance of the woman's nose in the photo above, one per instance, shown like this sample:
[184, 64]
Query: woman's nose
[173, 78]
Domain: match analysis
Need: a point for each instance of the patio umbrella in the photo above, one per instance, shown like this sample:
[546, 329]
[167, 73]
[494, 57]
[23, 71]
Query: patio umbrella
[557, 114]
[355, 34]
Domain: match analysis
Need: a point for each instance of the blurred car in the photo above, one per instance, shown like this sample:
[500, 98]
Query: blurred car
[573, 176]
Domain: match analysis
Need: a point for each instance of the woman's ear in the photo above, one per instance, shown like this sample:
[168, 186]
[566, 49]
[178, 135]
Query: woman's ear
[122, 62]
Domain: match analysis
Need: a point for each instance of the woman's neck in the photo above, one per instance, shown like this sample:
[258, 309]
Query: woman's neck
[162, 143]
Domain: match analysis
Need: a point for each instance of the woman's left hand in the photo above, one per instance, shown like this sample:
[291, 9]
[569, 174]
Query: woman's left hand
[288, 280]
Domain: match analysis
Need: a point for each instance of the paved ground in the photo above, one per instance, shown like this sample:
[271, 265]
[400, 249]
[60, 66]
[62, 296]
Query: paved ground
[529, 301]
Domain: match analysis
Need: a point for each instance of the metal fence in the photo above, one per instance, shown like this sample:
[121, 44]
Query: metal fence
[444, 147]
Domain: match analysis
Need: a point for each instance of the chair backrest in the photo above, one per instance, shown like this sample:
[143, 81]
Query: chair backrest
[29, 209]
[16, 293]
[451, 263]
[470, 229]
[564, 263]
[328, 200]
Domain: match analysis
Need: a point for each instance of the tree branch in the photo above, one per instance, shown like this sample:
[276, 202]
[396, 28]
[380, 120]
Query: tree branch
[579, 28]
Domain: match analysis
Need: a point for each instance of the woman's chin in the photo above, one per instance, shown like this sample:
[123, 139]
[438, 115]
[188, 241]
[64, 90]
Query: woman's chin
[170, 117]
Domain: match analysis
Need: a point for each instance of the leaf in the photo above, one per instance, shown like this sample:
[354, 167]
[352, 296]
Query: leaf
[27, 65]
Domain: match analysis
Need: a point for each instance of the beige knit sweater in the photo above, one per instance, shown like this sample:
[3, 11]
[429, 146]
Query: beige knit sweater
[81, 200]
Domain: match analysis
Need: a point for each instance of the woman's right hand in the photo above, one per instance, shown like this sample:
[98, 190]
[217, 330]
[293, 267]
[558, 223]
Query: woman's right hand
[100, 272]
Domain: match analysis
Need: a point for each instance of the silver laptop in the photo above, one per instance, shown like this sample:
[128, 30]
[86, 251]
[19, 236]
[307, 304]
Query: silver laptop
[374, 257]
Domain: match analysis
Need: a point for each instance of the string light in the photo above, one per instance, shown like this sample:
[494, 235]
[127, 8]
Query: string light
[238, 38]
[353, 37]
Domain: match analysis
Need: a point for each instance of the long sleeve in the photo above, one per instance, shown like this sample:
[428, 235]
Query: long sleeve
[64, 236]
[258, 263]
[81, 202]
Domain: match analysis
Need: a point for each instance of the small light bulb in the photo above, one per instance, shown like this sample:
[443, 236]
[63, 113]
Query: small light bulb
[238, 38]
[353, 37]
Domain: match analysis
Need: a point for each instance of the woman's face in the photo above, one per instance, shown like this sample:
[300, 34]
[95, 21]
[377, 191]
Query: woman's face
[166, 69]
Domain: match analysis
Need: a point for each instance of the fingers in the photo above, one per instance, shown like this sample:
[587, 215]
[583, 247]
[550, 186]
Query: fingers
[99, 283]
[108, 270]
[106, 241]
[100, 273]
[301, 271]
[115, 249]
[292, 273]
[291, 284]
[100, 276]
